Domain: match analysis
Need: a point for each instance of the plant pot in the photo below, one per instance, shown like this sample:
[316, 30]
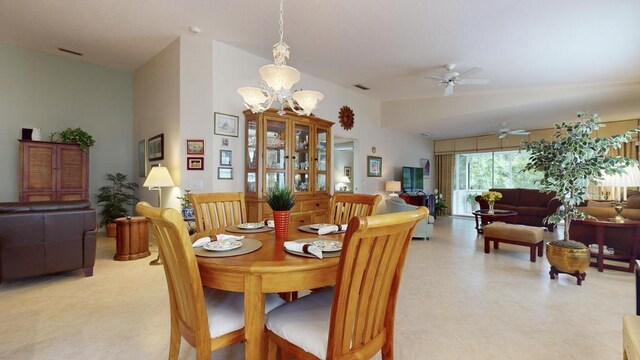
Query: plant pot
[187, 213]
[568, 260]
[111, 229]
[281, 224]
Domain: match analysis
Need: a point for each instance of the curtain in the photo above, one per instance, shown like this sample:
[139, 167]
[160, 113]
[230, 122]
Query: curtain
[444, 183]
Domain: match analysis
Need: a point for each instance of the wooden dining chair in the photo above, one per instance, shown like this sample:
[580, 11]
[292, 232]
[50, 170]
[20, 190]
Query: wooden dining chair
[208, 319]
[358, 313]
[218, 210]
[345, 206]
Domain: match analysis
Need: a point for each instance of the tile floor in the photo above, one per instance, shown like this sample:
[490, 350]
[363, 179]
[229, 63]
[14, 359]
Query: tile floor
[455, 303]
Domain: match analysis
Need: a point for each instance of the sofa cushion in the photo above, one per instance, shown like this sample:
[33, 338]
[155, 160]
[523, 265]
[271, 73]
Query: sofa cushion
[531, 211]
[633, 202]
[535, 198]
[600, 203]
[499, 206]
[509, 196]
[12, 207]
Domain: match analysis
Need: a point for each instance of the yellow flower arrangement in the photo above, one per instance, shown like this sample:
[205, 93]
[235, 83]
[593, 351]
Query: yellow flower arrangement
[491, 196]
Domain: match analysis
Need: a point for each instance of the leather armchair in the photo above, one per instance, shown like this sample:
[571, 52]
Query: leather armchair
[424, 229]
[46, 237]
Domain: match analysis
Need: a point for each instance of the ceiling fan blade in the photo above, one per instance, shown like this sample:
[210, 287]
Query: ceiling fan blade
[502, 135]
[474, 81]
[473, 70]
[436, 78]
[519, 132]
[449, 89]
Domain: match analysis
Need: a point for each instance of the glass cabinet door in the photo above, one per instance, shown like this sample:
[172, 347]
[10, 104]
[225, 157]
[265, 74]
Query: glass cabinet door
[275, 159]
[252, 155]
[321, 143]
[301, 168]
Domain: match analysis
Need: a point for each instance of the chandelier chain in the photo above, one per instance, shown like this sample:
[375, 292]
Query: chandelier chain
[281, 21]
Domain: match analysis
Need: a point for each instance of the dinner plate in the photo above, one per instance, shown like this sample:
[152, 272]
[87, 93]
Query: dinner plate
[217, 246]
[251, 226]
[328, 245]
[318, 226]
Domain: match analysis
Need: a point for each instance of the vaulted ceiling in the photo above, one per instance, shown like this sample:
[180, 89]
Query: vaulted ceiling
[545, 59]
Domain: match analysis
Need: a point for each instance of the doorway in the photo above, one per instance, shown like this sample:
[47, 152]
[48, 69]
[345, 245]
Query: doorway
[343, 169]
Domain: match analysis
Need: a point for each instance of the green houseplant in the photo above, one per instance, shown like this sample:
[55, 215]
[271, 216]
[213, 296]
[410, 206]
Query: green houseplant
[114, 199]
[186, 205]
[281, 200]
[568, 163]
[74, 136]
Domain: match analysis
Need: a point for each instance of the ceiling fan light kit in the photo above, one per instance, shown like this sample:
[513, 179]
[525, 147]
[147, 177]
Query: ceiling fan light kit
[453, 78]
[277, 79]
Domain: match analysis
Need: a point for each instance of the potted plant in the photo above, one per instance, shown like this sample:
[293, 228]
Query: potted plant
[74, 136]
[471, 201]
[114, 199]
[439, 205]
[185, 205]
[281, 200]
[568, 163]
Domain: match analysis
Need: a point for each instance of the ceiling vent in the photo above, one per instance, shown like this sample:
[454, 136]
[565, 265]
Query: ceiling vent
[71, 52]
[361, 87]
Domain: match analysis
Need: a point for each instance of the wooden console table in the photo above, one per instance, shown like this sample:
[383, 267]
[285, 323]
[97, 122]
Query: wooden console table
[622, 237]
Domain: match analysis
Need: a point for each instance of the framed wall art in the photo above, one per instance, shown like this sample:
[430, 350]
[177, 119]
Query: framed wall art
[225, 141]
[374, 166]
[195, 147]
[225, 173]
[347, 172]
[425, 164]
[225, 124]
[195, 163]
[142, 158]
[155, 148]
[225, 157]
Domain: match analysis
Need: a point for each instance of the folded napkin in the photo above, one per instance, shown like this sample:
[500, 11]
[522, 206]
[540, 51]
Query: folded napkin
[201, 241]
[303, 248]
[269, 223]
[226, 239]
[331, 229]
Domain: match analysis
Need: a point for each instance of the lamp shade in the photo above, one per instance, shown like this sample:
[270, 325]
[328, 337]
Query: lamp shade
[392, 186]
[307, 99]
[279, 77]
[252, 96]
[345, 180]
[629, 177]
[158, 177]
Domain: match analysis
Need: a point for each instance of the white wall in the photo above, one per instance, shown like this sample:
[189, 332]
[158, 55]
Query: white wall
[156, 110]
[51, 92]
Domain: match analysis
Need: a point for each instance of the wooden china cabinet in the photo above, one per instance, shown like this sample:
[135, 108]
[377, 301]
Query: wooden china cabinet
[293, 151]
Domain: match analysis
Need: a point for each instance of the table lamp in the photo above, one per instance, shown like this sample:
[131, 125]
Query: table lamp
[619, 183]
[392, 186]
[344, 181]
[158, 178]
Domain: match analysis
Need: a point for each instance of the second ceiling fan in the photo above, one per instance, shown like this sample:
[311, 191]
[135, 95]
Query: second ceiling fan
[453, 78]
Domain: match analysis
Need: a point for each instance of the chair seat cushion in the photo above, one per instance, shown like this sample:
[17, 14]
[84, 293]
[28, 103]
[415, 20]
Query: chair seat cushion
[225, 310]
[305, 322]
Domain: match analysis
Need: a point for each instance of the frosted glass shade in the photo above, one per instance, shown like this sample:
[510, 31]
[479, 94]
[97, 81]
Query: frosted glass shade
[252, 96]
[279, 77]
[630, 177]
[307, 99]
[345, 180]
[158, 177]
[392, 186]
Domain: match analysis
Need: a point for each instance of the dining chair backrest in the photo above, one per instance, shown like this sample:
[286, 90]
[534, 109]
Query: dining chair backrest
[218, 210]
[369, 272]
[345, 206]
[186, 297]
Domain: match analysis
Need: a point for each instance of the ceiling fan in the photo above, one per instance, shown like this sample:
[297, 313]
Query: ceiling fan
[453, 78]
[504, 131]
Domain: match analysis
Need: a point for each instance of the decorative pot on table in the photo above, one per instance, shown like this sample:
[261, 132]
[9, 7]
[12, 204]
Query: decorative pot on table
[281, 224]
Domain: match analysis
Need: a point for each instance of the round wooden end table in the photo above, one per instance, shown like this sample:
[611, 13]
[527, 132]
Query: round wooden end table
[483, 217]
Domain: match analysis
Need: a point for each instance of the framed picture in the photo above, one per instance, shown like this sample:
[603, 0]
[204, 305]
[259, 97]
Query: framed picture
[225, 141]
[347, 172]
[225, 157]
[425, 164]
[225, 124]
[142, 158]
[374, 166]
[195, 147]
[155, 148]
[195, 163]
[225, 173]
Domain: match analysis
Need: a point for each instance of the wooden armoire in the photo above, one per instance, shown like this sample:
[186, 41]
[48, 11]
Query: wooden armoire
[53, 171]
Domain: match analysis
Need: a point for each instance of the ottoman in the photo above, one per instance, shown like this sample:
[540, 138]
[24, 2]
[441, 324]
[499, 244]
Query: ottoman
[514, 234]
[631, 337]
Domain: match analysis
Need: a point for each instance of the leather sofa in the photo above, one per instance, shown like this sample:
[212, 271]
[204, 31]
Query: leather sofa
[424, 229]
[531, 205]
[603, 210]
[39, 238]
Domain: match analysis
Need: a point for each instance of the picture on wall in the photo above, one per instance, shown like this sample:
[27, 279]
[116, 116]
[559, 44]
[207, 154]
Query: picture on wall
[425, 164]
[225, 173]
[225, 124]
[195, 147]
[142, 158]
[374, 166]
[155, 148]
[225, 157]
[347, 172]
[195, 163]
[225, 141]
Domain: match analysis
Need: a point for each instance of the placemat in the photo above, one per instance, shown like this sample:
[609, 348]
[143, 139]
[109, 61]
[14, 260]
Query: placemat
[307, 228]
[325, 255]
[236, 229]
[248, 245]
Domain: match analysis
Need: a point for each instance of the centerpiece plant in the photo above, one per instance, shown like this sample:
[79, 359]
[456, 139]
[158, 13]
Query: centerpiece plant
[281, 201]
[115, 198]
[491, 197]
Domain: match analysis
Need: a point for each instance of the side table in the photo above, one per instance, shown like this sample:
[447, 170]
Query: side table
[484, 217]
[132, 238]
[623, 236]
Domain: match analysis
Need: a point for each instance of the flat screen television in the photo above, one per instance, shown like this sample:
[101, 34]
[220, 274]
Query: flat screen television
[412, 179]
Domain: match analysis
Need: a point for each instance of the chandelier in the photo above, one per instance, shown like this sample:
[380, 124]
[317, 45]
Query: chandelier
[277, 79]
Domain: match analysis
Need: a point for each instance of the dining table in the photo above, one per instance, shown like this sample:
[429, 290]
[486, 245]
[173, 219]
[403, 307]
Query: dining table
[267, 270]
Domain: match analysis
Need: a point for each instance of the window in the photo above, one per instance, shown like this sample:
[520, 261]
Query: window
[478, 172]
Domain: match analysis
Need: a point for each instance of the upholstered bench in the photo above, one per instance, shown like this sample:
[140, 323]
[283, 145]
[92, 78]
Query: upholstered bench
[514, 234]
[631, 337]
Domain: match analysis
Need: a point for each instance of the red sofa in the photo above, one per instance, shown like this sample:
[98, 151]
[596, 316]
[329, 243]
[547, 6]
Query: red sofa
[532, 206]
